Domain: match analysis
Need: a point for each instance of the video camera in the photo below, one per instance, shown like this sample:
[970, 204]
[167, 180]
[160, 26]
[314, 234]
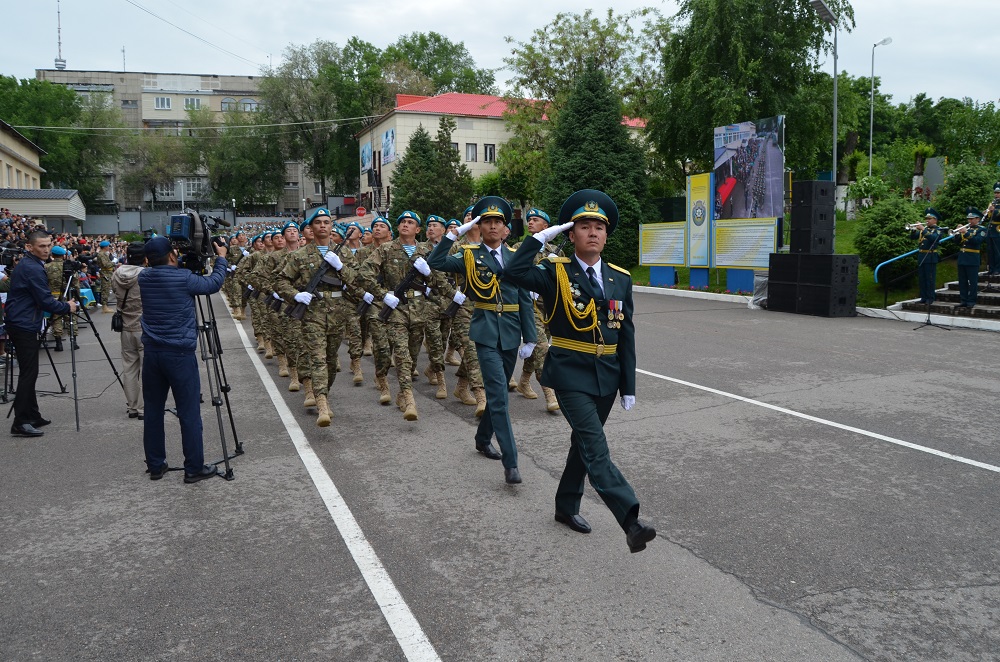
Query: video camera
[9, 255]
[191, 233]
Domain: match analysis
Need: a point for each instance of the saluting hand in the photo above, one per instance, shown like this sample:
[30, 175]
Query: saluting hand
[462, 229]
[548, 233]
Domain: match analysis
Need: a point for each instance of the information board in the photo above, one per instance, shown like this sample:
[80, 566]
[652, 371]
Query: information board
[663, 244]
[744, 243]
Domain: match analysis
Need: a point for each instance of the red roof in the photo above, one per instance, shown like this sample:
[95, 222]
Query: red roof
[634, 122]
[404, 99]
[454, 103]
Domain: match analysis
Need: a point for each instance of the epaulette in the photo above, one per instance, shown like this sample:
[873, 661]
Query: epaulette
[469, 247]
[617, 268]
[558, 258]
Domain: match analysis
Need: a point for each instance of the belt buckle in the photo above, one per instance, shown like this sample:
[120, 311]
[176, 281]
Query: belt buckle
[499, 308]
[599, 351]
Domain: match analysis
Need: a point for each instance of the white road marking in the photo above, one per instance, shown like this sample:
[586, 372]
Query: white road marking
[411, 637]
[823, 421]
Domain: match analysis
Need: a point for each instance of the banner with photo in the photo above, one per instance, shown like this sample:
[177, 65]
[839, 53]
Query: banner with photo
[749, 169]
[389, 146]
[699, 218]
[366, 157]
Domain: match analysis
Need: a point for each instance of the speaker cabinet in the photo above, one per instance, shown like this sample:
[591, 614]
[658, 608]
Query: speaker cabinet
[782, 297]
[812, 240]
[812, 192]
[812, 217]
[783, 268]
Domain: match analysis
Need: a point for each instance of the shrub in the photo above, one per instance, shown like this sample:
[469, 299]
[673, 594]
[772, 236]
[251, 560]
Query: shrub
[881, 235]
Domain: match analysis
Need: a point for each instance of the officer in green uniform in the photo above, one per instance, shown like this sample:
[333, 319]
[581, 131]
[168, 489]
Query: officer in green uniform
[971, 240]
[591, 358]
[503, 316]
[993, 232]
[107, 267]
[929, 237]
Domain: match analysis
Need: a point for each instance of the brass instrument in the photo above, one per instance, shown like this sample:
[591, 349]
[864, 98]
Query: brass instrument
[959, 229]
[913, 226]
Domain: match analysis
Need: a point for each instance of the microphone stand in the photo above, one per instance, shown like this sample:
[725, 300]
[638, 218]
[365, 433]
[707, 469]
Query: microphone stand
[928, 321]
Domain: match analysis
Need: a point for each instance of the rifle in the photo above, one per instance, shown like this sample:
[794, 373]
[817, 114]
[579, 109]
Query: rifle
[363, 306]
[400, 292]
[297, 310]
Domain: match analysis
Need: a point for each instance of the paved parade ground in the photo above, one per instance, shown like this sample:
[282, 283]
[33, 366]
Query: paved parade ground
[823, 489]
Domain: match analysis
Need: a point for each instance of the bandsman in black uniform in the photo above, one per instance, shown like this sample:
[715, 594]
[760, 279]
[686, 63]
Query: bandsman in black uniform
[971, 239]
[993, 232]
[929, 236]
[591, 358]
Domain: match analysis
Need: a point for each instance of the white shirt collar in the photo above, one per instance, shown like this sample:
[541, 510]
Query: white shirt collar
[596, 267]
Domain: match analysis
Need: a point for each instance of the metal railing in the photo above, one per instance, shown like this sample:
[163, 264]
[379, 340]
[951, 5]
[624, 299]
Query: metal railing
[885, 299]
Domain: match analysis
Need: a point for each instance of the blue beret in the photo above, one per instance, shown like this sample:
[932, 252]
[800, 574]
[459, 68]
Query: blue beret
[539, 214]
[433, 218]
[379, 219]
[157, 247]
[104, 244]
[468, 210]
[322, 211]
[58, 250]
[409, 214]
[452, 222]
[290, 224]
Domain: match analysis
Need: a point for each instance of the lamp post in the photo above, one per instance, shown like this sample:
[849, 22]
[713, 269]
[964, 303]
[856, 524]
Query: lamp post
[871, 121]
[234, 212]
[830, 18]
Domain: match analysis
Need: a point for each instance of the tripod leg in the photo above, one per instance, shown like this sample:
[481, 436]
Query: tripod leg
[204, 340]
[224, 386]
[104, 349]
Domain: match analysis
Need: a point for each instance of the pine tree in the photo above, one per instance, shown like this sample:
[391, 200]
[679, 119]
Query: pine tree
[430, 177]
[591, 148]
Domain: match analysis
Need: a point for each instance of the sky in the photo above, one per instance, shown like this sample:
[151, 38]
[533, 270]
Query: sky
[936, 47]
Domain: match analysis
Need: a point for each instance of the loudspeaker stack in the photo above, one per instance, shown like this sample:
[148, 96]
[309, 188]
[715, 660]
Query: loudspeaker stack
[811, 280]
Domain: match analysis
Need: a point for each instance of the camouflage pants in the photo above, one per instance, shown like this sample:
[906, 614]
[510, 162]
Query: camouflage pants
[352, 331]
[274, 328]
[105, 289]
[293, 341]
[470, 362]
[431, 315]
[256, 318]
[405, 331]
[533, 364]
[381, 351]
[57, 323]
[322, 334]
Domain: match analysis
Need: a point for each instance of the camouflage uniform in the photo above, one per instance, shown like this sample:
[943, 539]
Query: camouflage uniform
[405, 327]
[431, 312]
[381, 352]
[54, 271]
[232, 290]
[533, 364]
[261, 277]
[323, 323]
[107, 268]
[242, 279]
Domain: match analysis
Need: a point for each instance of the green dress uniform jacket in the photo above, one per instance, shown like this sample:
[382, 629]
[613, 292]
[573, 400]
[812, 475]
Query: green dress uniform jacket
[971, 242]
[598, 361]
[515, 319]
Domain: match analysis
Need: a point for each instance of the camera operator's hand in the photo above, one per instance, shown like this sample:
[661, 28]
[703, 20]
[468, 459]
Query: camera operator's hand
[304, 297]
[333, 260]
[220, 250]
[72, 305]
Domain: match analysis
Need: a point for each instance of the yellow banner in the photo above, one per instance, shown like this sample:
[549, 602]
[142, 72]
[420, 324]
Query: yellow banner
[699, 218]
[662, 244]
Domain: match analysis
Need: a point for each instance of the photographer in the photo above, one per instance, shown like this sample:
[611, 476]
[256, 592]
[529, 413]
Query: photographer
[29, 297]
[125, 283]
[169, 339]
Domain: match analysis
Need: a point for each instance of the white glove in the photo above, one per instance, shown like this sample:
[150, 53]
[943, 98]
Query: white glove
[534, 296]
[462, 229]
[548, 233]
[526, 350]
[390, 300]
[250, 287]
[369, 298]
[422, 266]
[552, 254]
[459, 298]
[246, 253]
[427, 291]
[628, 401]
[3, 268]
[304, 297]
[276, 296]
[333, 260]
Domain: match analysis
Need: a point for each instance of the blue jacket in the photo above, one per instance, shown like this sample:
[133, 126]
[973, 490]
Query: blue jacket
[168, 312]
[29, 296]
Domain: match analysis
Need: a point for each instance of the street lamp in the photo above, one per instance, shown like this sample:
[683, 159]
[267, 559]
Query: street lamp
[234, 212]
[871, 121]
[830, 18]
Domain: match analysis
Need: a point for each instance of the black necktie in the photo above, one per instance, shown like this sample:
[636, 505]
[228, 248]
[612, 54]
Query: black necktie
[593, 281]
[496, 258]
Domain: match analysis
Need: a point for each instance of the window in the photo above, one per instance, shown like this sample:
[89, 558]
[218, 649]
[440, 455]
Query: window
[470, 151]
[455, 147]
[229, 103]
[10, 176]
[165, 190]
[489, 153]
[291, 184]
[130, 103]
[248, 105]
[317, 188]
[18, 179]
[194, 187]
[162, 103]
[192, 103]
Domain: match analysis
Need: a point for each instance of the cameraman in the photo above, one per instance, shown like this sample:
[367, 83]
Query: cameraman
[29, 297]
[169, 339]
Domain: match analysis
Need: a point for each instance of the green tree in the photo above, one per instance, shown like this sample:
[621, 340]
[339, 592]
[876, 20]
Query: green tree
[487, 184]
[430, 177]
[965, 185]
[245, 162]
[57, 119]
[448, 65]
[731, 61]
[591, 148]
[881, 235]
[156, 160]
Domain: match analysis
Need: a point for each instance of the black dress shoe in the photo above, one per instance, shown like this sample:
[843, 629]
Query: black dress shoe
[158, 473]
[512, 475]
[488, 450]
[141, 417]
[207, 471]
[40, 423]
[133, 414]
[575, 522]
[25, 430]
[75, 345]
[638, 534]
[59, 346]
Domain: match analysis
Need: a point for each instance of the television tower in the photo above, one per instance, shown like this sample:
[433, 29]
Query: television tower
[60, 62]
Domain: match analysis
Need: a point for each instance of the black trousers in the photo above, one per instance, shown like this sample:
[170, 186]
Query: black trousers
[26, 344]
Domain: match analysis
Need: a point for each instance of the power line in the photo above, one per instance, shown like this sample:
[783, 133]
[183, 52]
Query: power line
[223, 30]
[185, 127]
[201, 39]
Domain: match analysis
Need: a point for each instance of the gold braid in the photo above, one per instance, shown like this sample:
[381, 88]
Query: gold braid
[472, 280]
[572, 314]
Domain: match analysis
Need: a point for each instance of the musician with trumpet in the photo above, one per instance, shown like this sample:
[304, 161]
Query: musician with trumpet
[992, 222]
[971, 236]
[929, 235]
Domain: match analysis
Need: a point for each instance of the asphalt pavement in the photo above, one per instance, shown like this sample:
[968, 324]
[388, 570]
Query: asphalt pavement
[829, 497]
